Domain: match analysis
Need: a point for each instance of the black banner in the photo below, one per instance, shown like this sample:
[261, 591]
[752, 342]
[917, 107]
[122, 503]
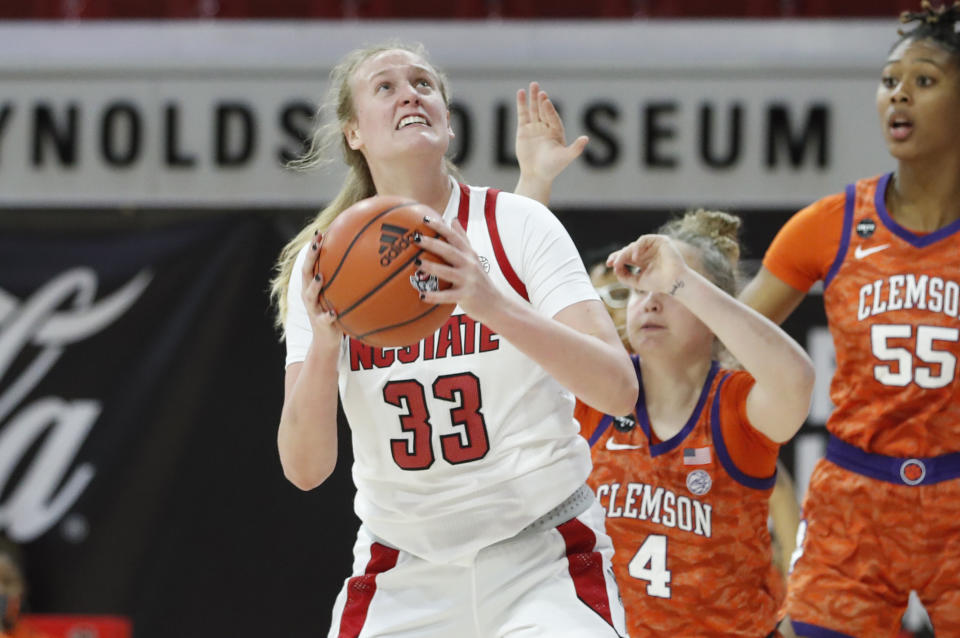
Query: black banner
[140, 387]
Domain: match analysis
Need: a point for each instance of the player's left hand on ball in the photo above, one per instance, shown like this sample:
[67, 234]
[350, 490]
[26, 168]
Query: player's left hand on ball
[321, 319]
[470, 286]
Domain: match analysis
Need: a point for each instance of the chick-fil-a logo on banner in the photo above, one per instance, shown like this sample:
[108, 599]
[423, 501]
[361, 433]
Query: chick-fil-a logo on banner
[63, 311]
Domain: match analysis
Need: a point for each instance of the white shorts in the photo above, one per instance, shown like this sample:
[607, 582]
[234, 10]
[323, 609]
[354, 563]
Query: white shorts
[555, 583]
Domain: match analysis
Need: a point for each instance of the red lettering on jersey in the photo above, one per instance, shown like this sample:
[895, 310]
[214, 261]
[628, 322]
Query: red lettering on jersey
[409, 354]
[449, 339]
[428, 349]
[488, 340]
[469, 334]
[361, 355]
[382, 358]
[458, 336]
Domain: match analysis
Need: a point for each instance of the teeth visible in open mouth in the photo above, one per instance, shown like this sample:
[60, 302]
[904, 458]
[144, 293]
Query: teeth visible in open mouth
[411, 119]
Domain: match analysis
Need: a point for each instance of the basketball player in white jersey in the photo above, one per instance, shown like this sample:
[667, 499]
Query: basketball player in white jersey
[469, 468]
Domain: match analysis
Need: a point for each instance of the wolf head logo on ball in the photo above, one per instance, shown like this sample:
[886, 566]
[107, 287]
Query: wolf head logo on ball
[424, 282]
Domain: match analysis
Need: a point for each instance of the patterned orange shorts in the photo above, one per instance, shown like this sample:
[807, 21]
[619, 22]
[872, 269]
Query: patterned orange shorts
[863, 545]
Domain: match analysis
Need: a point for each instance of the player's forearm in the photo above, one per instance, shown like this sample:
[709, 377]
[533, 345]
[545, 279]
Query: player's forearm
[777, 362]
[786, 519]
[598, 372]
[770, 296]
[534, 188]
[307, 435]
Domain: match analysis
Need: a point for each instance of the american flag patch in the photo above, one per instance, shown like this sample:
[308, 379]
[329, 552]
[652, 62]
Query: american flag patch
[696, 455]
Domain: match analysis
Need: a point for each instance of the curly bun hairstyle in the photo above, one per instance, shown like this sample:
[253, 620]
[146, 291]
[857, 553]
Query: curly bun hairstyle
[935, 23]
[715, 235]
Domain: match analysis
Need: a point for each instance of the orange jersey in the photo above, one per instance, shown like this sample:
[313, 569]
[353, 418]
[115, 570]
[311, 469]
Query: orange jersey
[689, 526]
[891, 297]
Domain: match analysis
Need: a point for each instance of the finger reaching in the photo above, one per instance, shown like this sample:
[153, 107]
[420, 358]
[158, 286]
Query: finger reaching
[548, 114]
[523, 113]
[534, 101]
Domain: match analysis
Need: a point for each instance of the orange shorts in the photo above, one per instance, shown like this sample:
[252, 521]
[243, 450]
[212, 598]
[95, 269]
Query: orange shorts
[863, 545]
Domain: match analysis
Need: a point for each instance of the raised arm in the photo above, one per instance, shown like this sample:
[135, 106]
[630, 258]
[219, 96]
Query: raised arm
[770, 296]
[542, 149]
[779, 401]
[307, 435]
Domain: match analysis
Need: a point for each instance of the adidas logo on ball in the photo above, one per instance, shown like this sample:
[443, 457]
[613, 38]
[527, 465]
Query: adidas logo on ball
[393, 241]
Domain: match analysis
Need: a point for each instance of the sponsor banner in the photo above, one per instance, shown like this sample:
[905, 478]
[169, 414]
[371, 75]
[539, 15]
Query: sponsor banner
[140, 387]
[722, 113]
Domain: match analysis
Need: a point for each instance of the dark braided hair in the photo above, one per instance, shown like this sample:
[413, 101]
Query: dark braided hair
[938, 24]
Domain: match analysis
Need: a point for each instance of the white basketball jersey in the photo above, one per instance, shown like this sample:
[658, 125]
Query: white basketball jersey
[461, 441]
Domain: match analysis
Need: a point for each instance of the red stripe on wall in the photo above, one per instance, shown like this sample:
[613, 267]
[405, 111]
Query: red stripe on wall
[490, 213]
[586, 567]
[360, 590]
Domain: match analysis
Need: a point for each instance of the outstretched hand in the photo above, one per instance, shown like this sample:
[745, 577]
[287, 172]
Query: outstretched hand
[652, 263]
[542, 149]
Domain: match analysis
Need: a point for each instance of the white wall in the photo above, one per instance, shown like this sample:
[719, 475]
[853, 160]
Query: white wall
[75, 96]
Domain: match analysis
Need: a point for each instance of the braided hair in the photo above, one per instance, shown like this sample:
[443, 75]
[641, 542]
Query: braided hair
[936, 23]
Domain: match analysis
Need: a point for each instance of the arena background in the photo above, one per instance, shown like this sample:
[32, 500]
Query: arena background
[143, 199]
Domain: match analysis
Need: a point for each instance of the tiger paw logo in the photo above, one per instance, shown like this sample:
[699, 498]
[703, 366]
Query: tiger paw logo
[913, 471]
[424, 282]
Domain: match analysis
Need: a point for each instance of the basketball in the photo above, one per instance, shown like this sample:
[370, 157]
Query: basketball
[369, 276]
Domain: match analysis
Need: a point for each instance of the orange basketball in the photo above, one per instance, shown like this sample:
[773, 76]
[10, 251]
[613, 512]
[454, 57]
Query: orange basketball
[369, 275]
